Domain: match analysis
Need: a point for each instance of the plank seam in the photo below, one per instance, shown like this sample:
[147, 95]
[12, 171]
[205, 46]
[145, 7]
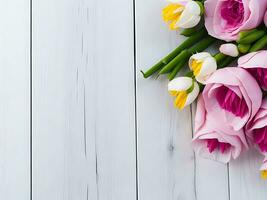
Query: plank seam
[135, 101]
[228, 177]
[31, 82]
[195, 167]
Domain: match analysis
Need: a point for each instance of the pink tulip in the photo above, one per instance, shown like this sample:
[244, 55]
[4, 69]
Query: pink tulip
[230, 100]
[256, 64]
[215, 139]
[225, 19]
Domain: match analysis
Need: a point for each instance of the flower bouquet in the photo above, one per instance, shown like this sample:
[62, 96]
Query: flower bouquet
[229, 86]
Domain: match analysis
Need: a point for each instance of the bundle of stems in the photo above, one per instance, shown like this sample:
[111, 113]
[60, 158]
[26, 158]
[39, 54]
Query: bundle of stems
[174, 61]
[198, 41]
[249, 41]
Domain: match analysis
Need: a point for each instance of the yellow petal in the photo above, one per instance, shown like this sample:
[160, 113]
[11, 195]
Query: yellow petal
[196, 66]
[173, 93]
[171, 13]
[180, 99]
[264, 174]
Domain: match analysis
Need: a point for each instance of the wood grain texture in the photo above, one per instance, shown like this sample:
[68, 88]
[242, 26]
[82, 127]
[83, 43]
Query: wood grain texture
[165, 157]
[211, 178]
[14, 101]
[84, 103]
[245, 181]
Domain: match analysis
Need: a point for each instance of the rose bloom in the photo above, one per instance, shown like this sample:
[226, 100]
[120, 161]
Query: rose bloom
[230, 100]
[225, 19]
[215, 139]
[256, 130]
[256, 64]
[257, 133]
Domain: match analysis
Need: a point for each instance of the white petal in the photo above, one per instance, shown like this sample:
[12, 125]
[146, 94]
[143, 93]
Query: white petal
[193, 95]
[193, 8]
[180, 83]
[209, 66]
[190, 16]
[191, 22]
[201, 55]
[229, 49]
[198, 56]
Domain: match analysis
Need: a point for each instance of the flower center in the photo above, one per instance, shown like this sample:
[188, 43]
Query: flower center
[181, 97]
[260, 138]
[229, 101]
[172, 13]
[232, 12]
[213, 144]
[260, 74]
[196, 66]
[264, 174]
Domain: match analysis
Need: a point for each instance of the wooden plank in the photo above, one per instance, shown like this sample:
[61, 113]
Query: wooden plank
[168, 168]
[165, 157]
[15, 100]
[84, 114]
[211, 177]
[245, 181]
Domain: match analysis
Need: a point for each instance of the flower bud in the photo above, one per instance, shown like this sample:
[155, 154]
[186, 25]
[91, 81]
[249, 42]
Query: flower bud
[202, 65]
[182, 14]
[229, 49]
[184, 89]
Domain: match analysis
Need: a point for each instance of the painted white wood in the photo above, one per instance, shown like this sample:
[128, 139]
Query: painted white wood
[167, 166]
[165, 157]
[83, 100]
[245, 181]
[14, 101]
[212, 178]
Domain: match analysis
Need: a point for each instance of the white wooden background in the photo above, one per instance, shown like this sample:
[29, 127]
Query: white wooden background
[78, 121]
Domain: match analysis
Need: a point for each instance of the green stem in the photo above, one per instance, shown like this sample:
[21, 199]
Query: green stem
[228, 60]
[252, 37]
[190, 74]
[243, 48]
[202, 45]
[177, 64]
[183, 56]
[189, 31]
[189, 90]
[261, 43]
[152, 70]
[243, 34]
[200, 3]
[186, 44]
[219, 57]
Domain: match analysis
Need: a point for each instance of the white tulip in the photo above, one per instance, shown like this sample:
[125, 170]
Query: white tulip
[202, 65]
[182, 14]
[184, 89]
[229, 49]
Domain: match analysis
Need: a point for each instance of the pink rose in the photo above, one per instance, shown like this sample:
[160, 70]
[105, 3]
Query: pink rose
[256, 64]
[232, 95]
[225, 19]
[257, 128]
[231, 98]
[257, 133]
[215, 139]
